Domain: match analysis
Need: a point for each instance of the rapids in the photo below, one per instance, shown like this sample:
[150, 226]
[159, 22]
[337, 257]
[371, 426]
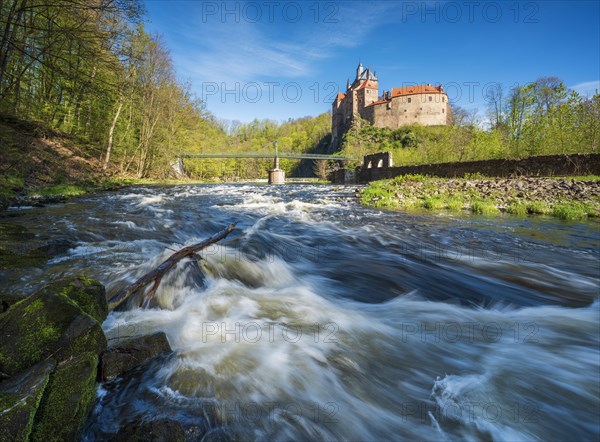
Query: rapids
[319, 319]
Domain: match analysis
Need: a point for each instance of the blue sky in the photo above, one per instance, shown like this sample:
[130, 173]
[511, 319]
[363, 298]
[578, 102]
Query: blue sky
[287, 59]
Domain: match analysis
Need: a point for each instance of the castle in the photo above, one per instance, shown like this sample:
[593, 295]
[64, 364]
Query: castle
[426, 105]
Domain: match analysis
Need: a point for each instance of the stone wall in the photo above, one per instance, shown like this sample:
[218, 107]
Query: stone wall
[424, 109]
[547, 165]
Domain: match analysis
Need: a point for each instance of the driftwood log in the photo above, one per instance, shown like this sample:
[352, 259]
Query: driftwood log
[157, 274]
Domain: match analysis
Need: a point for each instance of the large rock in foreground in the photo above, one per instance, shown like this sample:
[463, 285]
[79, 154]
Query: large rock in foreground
[51, 322]
[49, 347]
[20, 397]
[69, 397]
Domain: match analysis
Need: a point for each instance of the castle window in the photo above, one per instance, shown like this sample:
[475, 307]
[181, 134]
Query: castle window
[409, 99]
[443, 99]
[443, 111]
[430, 98]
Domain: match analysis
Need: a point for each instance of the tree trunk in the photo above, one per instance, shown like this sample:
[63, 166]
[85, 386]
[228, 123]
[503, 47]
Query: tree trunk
[110, 136]
[157, 274]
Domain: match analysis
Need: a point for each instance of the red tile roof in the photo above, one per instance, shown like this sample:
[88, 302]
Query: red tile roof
[377, 102]
[411, 90]
[368, 84]
[340, 97]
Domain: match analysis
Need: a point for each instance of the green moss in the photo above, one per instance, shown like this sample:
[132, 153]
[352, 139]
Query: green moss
[34, 307]
[20, 398]
[569, 211]
[13, 259]
[483, 207]
[67, 401]
[86, 293]
[44, 324]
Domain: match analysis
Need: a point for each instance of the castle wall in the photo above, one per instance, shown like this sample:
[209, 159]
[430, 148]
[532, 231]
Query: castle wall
[423, 109]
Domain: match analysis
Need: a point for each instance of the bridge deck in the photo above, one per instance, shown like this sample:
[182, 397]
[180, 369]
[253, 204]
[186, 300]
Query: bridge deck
[266, 155]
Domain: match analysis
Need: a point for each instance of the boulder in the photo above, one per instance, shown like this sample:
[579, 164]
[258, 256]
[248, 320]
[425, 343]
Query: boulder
[131, 353]
[52, 323]
[6, 300]
[69, 396]
[20, 397]
[87, 293]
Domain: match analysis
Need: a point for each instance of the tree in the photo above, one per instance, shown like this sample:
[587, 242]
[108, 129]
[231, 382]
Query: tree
[321, 169]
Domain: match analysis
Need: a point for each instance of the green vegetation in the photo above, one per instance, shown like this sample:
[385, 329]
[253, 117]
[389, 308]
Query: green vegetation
[541, 118]
[483, 196]
[87, 93]
[61, 190]
[570, 212]
[483, 207]
[517, 208]
[537, 207]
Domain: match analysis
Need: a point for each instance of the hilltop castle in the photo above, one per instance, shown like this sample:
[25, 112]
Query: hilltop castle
[426, 105]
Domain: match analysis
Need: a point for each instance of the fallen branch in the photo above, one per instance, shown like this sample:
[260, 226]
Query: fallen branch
[157, 274]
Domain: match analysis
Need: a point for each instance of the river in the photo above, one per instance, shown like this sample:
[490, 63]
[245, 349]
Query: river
[319, 319]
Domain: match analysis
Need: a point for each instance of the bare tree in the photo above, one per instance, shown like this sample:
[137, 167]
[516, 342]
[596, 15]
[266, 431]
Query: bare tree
[321, 169]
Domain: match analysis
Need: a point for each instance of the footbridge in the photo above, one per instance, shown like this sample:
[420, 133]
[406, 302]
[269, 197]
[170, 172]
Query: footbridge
[266, 155]
[276, 175]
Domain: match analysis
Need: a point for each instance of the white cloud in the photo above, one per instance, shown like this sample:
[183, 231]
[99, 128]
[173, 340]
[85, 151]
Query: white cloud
[587, 88]
[240, 52]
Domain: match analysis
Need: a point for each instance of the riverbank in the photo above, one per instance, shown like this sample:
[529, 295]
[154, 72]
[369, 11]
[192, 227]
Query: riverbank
[569, 198]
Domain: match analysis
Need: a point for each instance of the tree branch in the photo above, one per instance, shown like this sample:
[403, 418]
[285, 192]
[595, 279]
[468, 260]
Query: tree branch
[157, 274]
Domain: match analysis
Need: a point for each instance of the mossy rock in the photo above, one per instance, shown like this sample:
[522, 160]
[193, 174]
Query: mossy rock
[50, 323]
[131, 353]
[6, 300]
[13, 258]
[20, 397]
[69, 396]
[87, 293]
[14, 232]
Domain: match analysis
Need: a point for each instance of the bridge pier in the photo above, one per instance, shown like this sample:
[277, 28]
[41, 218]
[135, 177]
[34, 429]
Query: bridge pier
[276, 175]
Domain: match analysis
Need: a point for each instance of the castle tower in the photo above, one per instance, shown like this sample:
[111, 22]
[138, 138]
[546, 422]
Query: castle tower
[359, 71]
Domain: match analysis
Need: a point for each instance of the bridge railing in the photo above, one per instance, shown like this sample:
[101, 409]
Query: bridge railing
[266, 155]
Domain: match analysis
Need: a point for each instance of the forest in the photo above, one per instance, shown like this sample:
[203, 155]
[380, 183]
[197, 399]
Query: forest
[89, 70]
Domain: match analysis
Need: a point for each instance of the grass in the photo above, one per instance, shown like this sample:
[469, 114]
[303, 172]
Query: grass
[67, 190]
[517, 208]
[434, 203]
[537, 207]
[570, 211]
[483, 207]
[455, 204]
[419, 191]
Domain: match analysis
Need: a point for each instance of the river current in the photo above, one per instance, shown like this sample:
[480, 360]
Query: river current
[319, 319]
